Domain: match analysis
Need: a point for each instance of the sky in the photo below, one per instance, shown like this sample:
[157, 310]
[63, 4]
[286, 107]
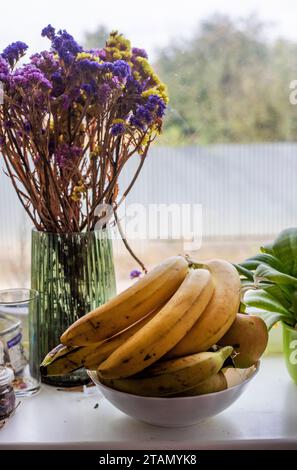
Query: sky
[150, 24]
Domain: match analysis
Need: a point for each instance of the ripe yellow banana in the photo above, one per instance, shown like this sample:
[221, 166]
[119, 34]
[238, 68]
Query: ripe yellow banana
[146, 295]
[165, 330]
[219, 313]
[215, 383]
[65, 359]
[173, 376]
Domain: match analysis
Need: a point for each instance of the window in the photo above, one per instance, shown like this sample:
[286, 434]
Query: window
[229, 138]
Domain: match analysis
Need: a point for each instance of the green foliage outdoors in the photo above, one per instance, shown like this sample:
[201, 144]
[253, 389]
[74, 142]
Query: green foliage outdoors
[229, 83]
[96, 39]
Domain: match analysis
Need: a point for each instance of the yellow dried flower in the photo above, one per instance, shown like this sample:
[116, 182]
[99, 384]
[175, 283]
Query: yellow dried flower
[118, 121]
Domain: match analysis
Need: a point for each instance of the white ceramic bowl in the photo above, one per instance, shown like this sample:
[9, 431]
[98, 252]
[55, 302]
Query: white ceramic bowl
[176, 412]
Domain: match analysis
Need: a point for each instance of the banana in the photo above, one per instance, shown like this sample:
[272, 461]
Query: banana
[165, 330]
[248, 335]
[173, 376]
[215, 383]
[219, 313]
[65, 359]
[146, 295]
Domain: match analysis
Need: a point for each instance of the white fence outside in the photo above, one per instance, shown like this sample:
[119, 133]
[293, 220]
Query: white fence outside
[245, 191]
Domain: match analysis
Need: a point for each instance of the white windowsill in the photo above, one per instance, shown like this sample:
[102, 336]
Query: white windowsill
[264, 417]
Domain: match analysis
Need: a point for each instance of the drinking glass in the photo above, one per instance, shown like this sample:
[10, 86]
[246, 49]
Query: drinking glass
[17, 306]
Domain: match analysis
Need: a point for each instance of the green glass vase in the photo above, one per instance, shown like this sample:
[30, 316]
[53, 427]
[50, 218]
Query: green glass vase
[73, 273]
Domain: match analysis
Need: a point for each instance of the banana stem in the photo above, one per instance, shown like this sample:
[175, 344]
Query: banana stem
[195, 264]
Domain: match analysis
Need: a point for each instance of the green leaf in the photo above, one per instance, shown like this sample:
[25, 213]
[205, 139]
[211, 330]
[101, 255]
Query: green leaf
[242, 307]
[263, 258]
[247, 283]
[280, 293]
[270, 318]
[265, 301]
[244, 272]
[294, 303]
[285, 249]
[264, 272]
[268, 248]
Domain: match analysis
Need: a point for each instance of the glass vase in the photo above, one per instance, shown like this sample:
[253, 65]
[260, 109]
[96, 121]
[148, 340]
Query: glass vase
[73, 273]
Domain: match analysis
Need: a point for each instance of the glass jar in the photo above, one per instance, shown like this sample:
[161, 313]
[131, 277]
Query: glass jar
[16, 305]
[7, 395]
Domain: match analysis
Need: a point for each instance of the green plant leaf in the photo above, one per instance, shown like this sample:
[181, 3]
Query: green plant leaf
[242, 307]
[263, 258]
[247, 282]
[270, 318]
[267, 248]
[280, 293]
[285, 249]
[244, 272]
[265, 301]
[264, 272]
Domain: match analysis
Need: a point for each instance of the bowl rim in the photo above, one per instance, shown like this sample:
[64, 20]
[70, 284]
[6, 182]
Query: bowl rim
[91, 373]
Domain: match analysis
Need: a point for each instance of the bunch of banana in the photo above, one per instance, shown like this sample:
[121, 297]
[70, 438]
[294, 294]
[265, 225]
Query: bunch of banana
[174, 376]
[164, 331]
[154, 338]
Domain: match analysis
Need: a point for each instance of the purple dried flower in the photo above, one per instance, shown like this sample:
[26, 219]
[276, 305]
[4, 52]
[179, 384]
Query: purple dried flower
[133, 85]
[156, 105]
[4, 70]
[65, 45]
[144, 114]
[136, 122]
[48, 32]
[104, 93]
[30, 75]
[87, 87]
[45, 60]
[88, 66]
[101, 54]
[118, 129]
[66, 153]
[121, 69]
[91, 88]
[161, 111]
[14, 52]
[58, 83]
[74, 93]
[139, 52]
[3, 65]
[107, 67]
[66, 101]
[135, 273]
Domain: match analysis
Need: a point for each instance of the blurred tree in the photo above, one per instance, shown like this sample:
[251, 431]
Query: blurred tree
[229, 84]
[96, 39]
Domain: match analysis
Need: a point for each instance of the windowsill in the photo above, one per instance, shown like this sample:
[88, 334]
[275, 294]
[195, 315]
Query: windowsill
[264, 417]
